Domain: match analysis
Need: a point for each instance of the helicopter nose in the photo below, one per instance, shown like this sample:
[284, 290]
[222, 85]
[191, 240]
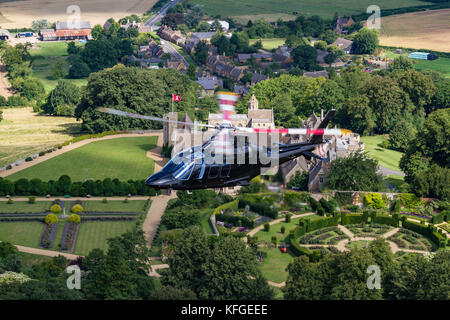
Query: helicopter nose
[159, 182]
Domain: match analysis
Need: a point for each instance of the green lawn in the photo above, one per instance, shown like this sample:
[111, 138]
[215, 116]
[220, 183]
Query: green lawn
[24, 207]
[115, 206]
[441, 65]
[21, 233]
[324, 8]
[94, 234]
[204, 221]
[275, 230]
[269, 44]
[45, 56]
[387, 158]
[274, 265]
[356, 244]
[122, 158]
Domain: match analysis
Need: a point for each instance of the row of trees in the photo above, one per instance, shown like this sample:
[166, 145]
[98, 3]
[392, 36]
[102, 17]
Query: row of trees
[65, 186]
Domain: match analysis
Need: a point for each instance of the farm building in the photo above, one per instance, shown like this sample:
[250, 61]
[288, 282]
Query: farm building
[422, 56]
[63, 31]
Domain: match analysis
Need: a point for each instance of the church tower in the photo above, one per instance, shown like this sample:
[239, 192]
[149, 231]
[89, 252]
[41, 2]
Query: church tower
[253, 103]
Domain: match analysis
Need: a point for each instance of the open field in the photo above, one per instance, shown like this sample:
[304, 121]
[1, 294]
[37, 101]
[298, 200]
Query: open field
[25, 207]
[270, 44]
[45, 56]
[20, 14]
[441, 65]
[115, 206]
[386, 158]
[21, 233]
[421, 30]
[94, 234]
[23, 133]
[122, 158]
[255, 9]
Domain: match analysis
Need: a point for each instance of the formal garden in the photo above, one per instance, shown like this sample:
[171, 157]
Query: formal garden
[71, 226]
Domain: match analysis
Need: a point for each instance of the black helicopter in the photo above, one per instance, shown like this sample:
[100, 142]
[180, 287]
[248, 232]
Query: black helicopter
[209, 165]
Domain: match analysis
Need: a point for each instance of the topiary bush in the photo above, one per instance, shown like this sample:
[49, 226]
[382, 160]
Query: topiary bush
[77, 208]
[10, 201]
[287, 218]
[266, 227]
[51, 218]
[28, 159]
[31, 199]
[283, 229]
[105, 200]
[56, 208]
[74, 218]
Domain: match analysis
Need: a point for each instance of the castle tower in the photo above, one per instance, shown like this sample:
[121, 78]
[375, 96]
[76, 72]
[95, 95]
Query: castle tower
[169, 127]
[253, 103]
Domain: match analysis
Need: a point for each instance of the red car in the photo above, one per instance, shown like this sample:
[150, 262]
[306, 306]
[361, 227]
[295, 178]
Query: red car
[283, 248]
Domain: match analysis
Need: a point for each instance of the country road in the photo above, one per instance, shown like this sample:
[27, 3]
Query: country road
[160, 14]
[168, 48]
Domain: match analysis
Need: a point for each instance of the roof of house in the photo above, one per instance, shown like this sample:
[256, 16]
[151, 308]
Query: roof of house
[246, 56]
[342, 43]
[207, 84]
[66, 26]
[203, 35]
[316, 74]
[257, 77]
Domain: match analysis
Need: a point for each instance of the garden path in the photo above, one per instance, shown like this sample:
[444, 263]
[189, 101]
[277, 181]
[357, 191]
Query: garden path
[154, 214]
[48, 253]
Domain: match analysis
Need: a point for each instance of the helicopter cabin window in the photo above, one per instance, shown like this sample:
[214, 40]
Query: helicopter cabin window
[225, 171]
[213, 171]
[186, 172]
[199, 171]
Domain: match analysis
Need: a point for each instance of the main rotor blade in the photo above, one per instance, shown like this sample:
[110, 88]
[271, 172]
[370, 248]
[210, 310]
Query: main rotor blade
[327, 132]
[139, 116]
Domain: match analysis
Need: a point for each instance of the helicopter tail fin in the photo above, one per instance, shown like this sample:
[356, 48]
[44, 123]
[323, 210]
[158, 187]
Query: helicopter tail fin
[318, 138]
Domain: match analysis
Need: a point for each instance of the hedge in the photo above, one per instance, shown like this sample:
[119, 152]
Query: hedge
[388, 220]
[344, 198]
[245, 222]
[306, 225]
[297, 249]
[262, 208]
[439, 218]
[230, 205]
[352, 218]
[427, 231]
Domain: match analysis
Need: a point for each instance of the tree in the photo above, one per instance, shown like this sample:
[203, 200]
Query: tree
[356, 172]
[329, 36]
[79, 70]
[300, 181]
[222, 43]
[201, 52]
[37, 25]
[192, 18]
[433, 182]
[419, 87]
[96, 32]
[171, 293]
[365, 41]
[401, 135]
[220, 269]
[32, 89]
[387, 101]
[191, 72]
[442, 98]
[305, 57]
[320, 44]
[63, 100]
[402, 63]
[356, 115]
[1, 116]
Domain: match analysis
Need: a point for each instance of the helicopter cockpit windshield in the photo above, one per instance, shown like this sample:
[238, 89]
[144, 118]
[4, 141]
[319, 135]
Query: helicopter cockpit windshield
[182, 165]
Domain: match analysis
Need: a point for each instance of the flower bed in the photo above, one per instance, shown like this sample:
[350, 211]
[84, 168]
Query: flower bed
[416, 215]
[21, 219]
[69, 236]
[108, 218]
[48, 235]
[97, 213]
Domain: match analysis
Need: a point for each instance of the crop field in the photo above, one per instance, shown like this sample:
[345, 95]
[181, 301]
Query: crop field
[122, 158]
[19, 14]
[387, 158]
[270, 44]
[244, 10]
[94, 234]
[420, 30]
[24, 132]
[45, 56]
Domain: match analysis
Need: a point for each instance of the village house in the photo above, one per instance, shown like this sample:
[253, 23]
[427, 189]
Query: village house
[141, 27]
[316, 74]
[219, 65]
[342, 23]
[196, 37]
[244, 57]
[209, 84]
[283, 56]
[65, 31]
[224, 24]
[175, 36]
[258, 77]
[344, 44]
[241, 90]
[176, 64]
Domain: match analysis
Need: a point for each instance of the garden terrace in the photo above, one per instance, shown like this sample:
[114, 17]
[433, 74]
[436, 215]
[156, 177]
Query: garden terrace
[331, 235]
[407, 239]
[369, 230]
